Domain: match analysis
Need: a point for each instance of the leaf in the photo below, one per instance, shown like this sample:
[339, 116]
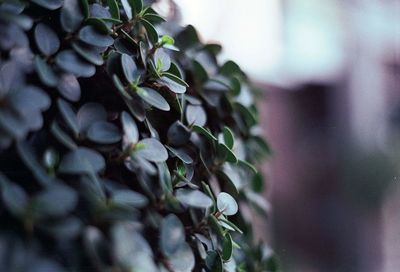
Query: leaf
[90, 35]
[226, 204]
[193, 198]
[69, 87]
[89, 53]
[151, 31]
[226, 153]
[165, 39]
[181, 154]
[46, 39]
[153, 98]
[205, 132]
[127, 8]
[129, 68]
[71, 63]
[69, 116]
[55, 200]
[162, 60]
[172, 235]
[131, 133]
[14, 197]
[81, 161]
[183, 260]
[214, 261]
[103, 132]
[195, 115]
[62, 137]
[128, 199]
[178, 134]
[176, 79]
[227, 248]
[99, 24]
[121, 89]
[152, 150]
[228, 137]
[172, 85]
[71, 15]
[45, 72]
[137, 5]
[52, 5]
[90, 113]
[257, 183]
[114, 9]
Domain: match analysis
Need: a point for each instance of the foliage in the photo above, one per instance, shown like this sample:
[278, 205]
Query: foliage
[121, 149]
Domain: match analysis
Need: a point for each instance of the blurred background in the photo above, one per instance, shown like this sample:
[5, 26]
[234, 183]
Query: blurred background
[330, 71]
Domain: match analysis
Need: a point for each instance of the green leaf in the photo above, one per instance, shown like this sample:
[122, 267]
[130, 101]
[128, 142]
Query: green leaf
[81, 161]
[90, 35]
[230, 224]
[131, 133]
[137, 5]
[62, 137]
[46, 39]
[114, 9]
[226, 204]
[227, 247]
[193, 198]
[226, 153]
[103, 132]
[153, 18]
[207, 133]
[153, 98]
[165, 39]
[172, 235]
[195, 115]
[71, 15]
[213, 221]
[128, 199]
[228, 137]
[45, 72]
[151, 31]
[152, 150]
[214, 261]
[85, 8]
[121, 88]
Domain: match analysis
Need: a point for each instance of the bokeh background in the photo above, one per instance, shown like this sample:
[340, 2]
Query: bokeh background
[330, 72]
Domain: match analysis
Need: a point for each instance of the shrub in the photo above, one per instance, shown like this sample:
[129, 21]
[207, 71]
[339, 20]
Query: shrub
[119, 151]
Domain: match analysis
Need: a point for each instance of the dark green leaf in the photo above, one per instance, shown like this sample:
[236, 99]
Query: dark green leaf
[228, 137]
[90, 35]
[90, 113]
[178, 134]
[227, 247]
[226, 153]
[172, 85]
[153, 98]
[151, 31]
[46, 39]
[181, 154]
[205, 132]
[99, 24]
[103, 133]
[114, 9]
[13, 196]
[137, 6]
[62, 136]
